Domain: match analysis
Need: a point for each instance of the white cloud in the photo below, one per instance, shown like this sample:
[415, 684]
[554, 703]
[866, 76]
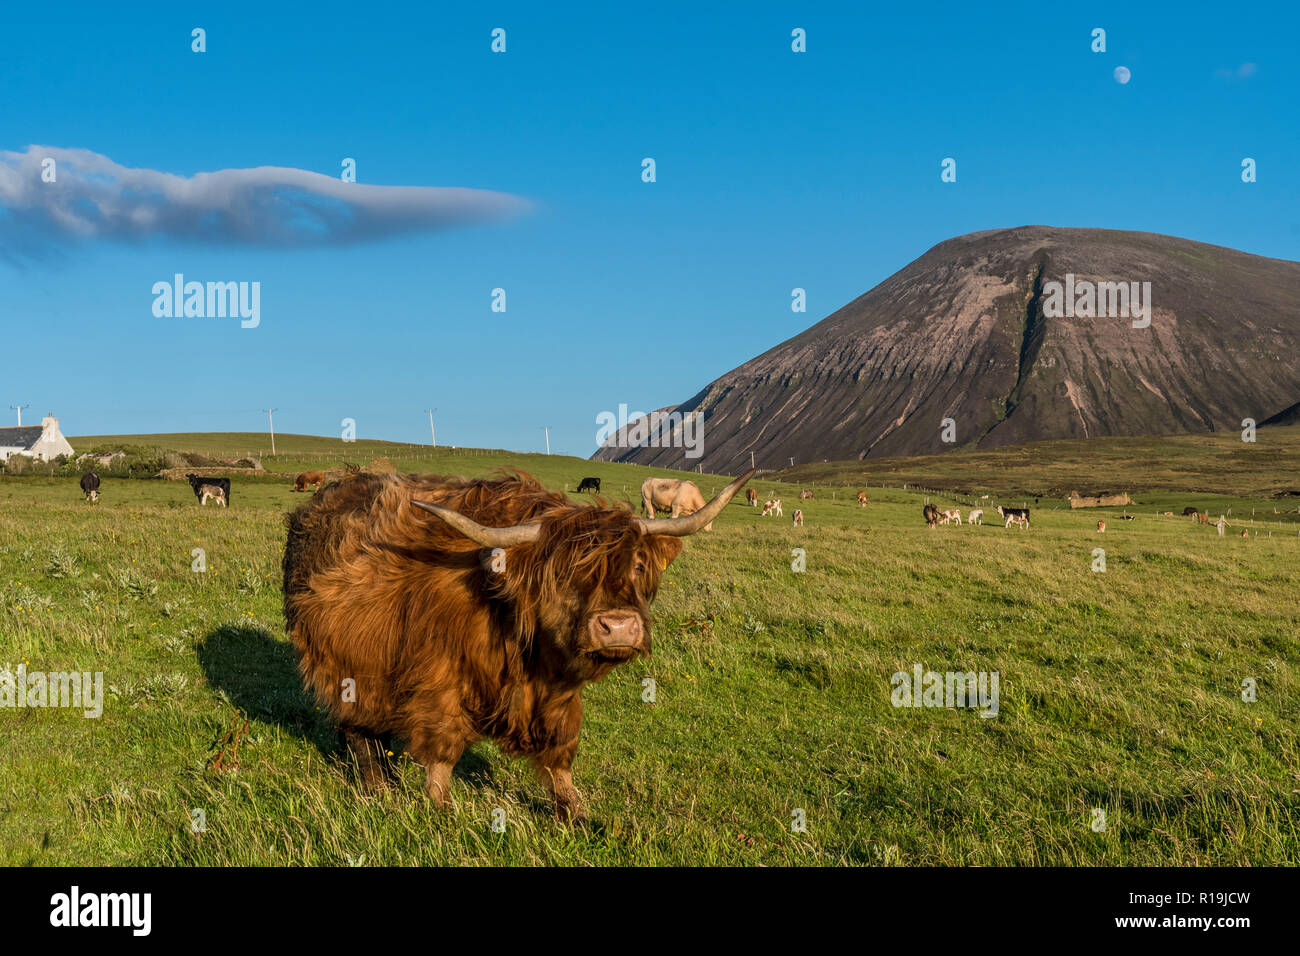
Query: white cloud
[96, 198]
[1245, 71]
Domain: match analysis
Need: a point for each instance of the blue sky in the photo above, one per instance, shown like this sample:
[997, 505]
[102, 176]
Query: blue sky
[775, 170]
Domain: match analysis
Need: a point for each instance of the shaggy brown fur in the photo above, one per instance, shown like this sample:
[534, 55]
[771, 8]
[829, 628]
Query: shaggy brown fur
[931, 515]
[449, 643]
[308, 478]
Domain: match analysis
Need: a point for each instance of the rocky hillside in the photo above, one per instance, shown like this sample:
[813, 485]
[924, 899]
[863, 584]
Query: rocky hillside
[975, 331]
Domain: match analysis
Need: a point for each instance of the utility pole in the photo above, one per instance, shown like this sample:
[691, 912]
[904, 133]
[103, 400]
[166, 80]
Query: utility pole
[270, 414]
[547, 429]
[432, 434]
[19, 410]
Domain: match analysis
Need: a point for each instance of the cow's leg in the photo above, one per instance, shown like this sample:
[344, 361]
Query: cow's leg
[438, 748]
[369, 752]
[555, 768]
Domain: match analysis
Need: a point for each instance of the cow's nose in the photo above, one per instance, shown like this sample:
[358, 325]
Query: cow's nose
[618, 630]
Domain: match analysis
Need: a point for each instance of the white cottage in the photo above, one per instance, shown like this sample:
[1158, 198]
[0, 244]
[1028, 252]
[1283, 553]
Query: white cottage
[43, 441]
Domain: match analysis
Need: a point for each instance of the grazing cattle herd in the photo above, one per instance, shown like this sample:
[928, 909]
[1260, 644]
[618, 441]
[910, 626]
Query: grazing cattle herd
[489, 604]
[678, 497]
[444, 611]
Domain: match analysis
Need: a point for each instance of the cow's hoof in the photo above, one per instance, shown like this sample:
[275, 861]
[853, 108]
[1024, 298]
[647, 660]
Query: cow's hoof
[572, 816]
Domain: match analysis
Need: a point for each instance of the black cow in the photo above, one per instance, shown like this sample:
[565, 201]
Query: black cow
[1189, 510]
[592, 483]
[197, 483]
[90, 486]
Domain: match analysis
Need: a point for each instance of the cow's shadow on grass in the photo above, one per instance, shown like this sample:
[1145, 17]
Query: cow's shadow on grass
[259, 675]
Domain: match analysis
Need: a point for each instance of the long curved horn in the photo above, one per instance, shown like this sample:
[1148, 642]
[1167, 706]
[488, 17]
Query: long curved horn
[481, 534]
[689, 524]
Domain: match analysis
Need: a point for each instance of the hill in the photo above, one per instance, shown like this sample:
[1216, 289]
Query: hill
[970, 332]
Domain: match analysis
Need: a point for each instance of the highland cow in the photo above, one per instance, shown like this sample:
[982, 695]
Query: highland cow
[445, 611]
[674, 495]
[931, 514]
[316, 478]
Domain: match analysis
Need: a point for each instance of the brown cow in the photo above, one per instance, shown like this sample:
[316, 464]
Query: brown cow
[1101, 525]
[752, 497]
[675, 495]
[931, 516]
[308, 478]
[805, 494]
[862, 499]
[483, 618]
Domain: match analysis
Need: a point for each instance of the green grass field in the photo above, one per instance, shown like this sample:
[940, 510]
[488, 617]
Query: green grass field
[1119, 690]
[1220, 463]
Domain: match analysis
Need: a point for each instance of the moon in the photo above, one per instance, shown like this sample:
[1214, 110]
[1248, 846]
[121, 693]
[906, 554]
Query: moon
[1122, 75]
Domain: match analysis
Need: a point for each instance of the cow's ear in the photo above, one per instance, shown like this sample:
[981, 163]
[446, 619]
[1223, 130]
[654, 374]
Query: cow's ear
[664, 549]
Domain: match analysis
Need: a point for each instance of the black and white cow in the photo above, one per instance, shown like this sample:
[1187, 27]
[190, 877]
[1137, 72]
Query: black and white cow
[1012, 516]
[90, 486]
[198, 483]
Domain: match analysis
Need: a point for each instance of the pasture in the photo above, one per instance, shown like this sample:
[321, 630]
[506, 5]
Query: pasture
[1119, 690]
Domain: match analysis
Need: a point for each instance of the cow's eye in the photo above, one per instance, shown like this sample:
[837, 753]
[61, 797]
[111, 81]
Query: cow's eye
[639, 569]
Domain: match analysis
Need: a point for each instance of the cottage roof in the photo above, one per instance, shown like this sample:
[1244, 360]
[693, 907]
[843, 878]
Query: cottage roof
[24, 436]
